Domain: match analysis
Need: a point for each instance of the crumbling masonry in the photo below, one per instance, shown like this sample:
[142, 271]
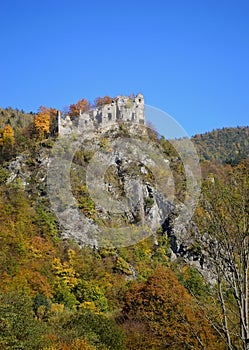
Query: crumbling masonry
[121, 109]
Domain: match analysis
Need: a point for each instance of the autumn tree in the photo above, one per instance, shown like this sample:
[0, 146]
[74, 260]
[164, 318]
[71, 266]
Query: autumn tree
[46, 121]
[79, 107]
[101, 101]
[42, 122]
[7, 141]
[159, 313]
[223, 220]
[8, 136]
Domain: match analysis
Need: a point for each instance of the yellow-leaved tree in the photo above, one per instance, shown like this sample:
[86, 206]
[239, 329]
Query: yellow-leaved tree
[7, 141]
[8, 136]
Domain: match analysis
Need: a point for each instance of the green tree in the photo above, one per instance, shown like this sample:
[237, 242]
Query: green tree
[19, 330]
[97, 329]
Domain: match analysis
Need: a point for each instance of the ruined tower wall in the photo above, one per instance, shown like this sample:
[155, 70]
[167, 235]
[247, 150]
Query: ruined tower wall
[121, 109]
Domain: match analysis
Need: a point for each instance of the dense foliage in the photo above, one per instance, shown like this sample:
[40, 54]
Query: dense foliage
[57, 295]
[225, 146]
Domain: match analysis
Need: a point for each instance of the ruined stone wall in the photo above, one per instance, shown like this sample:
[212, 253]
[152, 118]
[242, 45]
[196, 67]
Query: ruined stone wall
[121, 109]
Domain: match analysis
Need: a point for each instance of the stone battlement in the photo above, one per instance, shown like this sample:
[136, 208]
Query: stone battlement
[121, 109]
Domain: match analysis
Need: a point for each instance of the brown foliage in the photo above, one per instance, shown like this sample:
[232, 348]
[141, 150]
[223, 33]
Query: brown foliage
[101, 101]
[159, 313]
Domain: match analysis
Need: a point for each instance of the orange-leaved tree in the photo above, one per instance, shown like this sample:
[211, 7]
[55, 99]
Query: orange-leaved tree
[42, 122]
[101, 101]
[160, 314]
[80, 106]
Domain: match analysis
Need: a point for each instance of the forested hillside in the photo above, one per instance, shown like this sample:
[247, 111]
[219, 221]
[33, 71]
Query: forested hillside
[224, 146]
[178, 289]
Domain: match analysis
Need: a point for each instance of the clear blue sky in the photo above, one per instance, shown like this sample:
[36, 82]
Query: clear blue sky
[188, 58]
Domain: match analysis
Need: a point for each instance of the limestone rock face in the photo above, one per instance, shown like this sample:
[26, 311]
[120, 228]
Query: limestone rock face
[185, 242]
[128, 188]
[30, 173]
[129, 179]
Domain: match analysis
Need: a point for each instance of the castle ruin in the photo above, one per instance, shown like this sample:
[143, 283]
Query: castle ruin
[121, 109]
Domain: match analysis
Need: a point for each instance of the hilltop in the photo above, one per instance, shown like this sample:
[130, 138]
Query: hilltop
[58, 292]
